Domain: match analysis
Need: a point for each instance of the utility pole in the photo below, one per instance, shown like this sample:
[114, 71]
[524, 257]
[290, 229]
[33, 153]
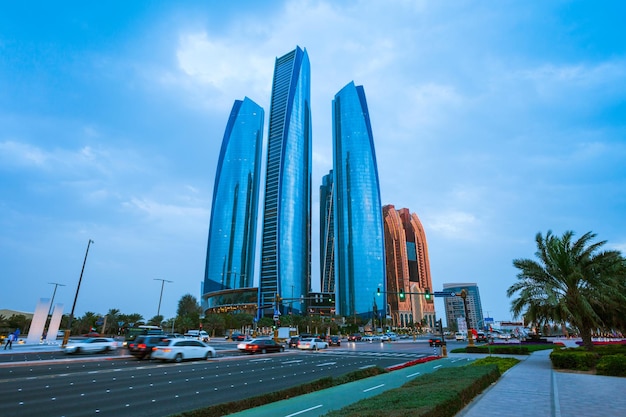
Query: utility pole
[66, 336]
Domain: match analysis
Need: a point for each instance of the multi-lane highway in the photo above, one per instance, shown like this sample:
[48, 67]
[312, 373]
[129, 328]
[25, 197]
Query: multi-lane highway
[53, 385]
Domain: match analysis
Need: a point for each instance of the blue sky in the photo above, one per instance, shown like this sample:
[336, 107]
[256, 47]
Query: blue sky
[492, 121]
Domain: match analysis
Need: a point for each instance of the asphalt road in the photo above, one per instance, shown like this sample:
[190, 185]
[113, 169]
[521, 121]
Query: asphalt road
[118, 385]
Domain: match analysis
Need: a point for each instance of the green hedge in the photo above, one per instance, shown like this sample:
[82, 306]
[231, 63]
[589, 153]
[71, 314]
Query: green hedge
[504, 350]
[579, 360]
[612, 365]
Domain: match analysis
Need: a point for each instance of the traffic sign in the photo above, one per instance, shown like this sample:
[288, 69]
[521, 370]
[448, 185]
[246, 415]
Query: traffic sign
[444, 294]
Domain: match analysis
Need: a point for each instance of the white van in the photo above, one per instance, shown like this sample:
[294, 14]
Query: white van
[198, 334]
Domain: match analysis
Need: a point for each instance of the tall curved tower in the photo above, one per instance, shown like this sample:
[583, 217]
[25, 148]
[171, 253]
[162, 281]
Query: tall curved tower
[359, 245]
[232, 230]
[286, 246]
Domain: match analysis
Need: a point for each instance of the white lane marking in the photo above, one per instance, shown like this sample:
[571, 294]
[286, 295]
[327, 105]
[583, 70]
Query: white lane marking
[416, 373]
[326, 364]
[303, 411]
[296, 361]
[373, 388]
[260, 360]
[438, 366]
[367, 366]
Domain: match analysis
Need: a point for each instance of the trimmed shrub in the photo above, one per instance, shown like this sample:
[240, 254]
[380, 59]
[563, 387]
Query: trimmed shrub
[612, 365]
[580, 360]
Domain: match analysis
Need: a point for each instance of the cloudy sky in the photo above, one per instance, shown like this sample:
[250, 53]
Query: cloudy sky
[492, 120]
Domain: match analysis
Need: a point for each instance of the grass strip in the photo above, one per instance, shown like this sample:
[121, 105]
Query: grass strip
[440, 394]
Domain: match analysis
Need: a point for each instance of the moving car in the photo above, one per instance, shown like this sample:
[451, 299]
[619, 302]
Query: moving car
[293, 341]
[141, 347]
[334, 341]
[178, 350]
[480, 337]
[436, 341]
[371, 338]
[355, 337]
[91, 345]
[460, 336]
[197, 334]
[312, 344]
[260, 346]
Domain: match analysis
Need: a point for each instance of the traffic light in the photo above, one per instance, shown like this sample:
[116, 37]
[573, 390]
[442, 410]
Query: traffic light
[401, 294]
[378, 292]
[427, 294]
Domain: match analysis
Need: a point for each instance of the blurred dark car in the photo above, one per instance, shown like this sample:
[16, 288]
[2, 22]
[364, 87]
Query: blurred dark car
[334, 341]
[293, 341]
[260, 346]
[141, 347]
[238, 337]
[355, 337]
[436, 341]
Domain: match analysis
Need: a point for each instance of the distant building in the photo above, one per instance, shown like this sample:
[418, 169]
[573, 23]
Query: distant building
[454, 306]
[408, 269]
[327, 234]
[229, 268]
[359, 254]
[286, 238]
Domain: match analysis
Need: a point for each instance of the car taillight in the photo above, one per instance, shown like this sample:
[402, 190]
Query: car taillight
[141, 346]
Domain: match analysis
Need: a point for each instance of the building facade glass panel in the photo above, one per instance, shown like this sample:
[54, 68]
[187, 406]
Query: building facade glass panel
[232, 230]
[359, 247]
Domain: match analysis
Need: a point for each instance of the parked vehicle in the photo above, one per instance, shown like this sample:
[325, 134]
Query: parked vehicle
[436, 341]
[355, 337]
[178, 350]
[312, 344]
[260, 346]
[141, 347]
[91, 345]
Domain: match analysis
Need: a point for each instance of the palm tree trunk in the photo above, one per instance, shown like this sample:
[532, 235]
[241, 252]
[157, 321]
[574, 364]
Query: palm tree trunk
[585, 333]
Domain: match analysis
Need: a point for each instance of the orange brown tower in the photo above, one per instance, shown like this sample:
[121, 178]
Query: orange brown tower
[408, 269]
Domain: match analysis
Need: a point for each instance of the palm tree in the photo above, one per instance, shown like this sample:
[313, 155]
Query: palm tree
[570, 282]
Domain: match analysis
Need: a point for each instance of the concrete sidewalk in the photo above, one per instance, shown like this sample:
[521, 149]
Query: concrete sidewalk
[532, 389]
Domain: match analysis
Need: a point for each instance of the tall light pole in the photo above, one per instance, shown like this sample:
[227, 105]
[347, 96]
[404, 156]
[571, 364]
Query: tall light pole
[163, 281]
[69, 321]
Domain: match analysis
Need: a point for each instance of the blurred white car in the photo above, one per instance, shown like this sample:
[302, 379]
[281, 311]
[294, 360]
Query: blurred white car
[312, 344]
[459, 336]
[371, 338]
[91, 345]
[178, 350]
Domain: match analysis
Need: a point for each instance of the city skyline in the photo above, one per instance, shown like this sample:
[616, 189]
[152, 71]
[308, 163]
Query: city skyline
[492, 122]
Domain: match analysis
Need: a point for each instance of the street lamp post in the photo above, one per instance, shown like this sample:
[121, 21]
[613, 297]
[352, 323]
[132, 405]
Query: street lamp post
[66, 336]
[163, 281]
[470, 335]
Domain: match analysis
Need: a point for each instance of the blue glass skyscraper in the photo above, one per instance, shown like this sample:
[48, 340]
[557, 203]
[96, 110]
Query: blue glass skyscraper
[232, 231]
[286, 245]
[327, 234]
[359, 245]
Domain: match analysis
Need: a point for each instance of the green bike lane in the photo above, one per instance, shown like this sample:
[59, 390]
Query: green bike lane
[321, 402]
